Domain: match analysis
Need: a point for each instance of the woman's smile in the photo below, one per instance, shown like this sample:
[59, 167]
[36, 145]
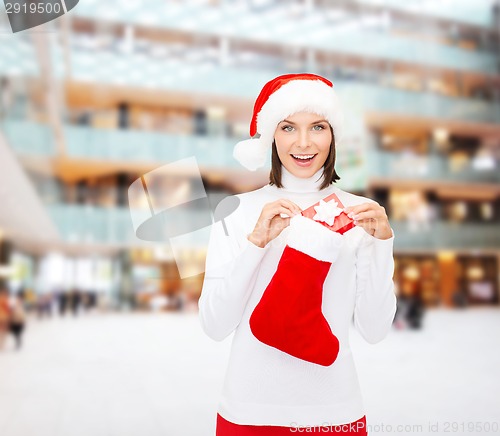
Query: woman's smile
[304, 160]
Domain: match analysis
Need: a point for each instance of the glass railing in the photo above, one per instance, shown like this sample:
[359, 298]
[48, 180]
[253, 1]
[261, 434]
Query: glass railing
[138, 145]
[428, 167]
[426, 104]
[29, 137]
[444, 235]
[93, 224]
[89, 224]
[82, 142]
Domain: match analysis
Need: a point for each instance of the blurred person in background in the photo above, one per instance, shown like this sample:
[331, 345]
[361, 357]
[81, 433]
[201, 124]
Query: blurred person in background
[44, 305]
[4, 315]
[290, 362]
[63, 298]
[410, 307]
[460, 298]
[75, 301]
[17, 319]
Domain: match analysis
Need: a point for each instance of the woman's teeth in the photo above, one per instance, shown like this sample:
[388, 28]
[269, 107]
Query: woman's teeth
[303, 156]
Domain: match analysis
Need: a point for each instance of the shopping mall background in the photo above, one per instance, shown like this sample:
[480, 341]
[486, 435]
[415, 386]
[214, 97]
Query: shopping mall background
[106, 97]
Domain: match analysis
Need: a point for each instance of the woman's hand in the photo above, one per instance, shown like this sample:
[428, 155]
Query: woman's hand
[270, 223]
[371, 217]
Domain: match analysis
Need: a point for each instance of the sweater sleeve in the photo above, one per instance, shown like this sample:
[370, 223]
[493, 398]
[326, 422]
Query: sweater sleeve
[231, 269]
[375, 305]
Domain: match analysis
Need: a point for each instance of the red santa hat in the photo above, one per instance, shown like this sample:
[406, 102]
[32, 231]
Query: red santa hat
[279, 98]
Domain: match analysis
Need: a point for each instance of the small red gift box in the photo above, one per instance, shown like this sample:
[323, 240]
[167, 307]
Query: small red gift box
[342, 222]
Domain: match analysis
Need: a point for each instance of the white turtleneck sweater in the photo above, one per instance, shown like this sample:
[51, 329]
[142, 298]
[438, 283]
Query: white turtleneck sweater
[263, 385]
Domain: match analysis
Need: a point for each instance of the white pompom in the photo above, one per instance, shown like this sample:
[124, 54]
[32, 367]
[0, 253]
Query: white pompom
[251, 153]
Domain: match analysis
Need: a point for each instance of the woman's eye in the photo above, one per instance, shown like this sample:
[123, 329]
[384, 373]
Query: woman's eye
[286, 127]
[320, 127]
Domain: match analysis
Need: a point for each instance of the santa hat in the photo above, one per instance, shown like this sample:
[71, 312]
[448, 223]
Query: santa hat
[279, 98]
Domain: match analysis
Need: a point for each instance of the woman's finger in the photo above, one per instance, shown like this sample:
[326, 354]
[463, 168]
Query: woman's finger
[292, 205]
[287, 208]
[372, 214]
[353, 210]
[277, 210]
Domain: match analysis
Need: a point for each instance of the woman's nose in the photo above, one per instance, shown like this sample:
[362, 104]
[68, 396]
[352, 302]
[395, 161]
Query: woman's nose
[304, 140]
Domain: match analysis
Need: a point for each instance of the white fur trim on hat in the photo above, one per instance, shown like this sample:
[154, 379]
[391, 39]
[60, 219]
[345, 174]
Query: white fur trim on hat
[314, 239]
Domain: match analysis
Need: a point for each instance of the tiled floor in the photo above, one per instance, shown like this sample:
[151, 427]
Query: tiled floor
[152, 375]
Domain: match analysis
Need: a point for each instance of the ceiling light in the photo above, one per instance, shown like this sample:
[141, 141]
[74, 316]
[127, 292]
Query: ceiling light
[441, 135]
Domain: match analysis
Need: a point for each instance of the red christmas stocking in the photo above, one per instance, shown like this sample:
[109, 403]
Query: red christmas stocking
[288, 316]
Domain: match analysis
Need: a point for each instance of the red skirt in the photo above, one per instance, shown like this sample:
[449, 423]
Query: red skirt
[226, 428]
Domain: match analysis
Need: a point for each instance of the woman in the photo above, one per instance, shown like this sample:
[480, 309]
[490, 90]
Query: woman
[266, 248]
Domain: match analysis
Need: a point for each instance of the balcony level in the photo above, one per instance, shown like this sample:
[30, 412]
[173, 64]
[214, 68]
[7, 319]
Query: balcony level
[380, 92]
[203, 69]
[361, 100]
[443, 235]
[430, 167]
[84, 143]
[91, 224]
[478, 14]
[87, 143]
[322, 30]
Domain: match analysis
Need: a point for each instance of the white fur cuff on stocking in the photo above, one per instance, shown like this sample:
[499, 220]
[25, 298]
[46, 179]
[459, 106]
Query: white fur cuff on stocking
[314, 239]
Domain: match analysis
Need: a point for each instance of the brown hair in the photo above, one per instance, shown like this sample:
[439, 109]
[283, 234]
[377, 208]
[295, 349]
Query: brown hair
[329, 173]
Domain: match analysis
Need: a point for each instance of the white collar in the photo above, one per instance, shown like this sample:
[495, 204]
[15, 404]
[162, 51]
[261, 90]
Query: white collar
[298, 184]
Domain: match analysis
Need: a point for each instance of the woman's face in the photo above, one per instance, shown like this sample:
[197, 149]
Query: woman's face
[303, 134]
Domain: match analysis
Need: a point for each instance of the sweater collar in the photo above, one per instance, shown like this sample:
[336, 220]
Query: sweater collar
[298, 184]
